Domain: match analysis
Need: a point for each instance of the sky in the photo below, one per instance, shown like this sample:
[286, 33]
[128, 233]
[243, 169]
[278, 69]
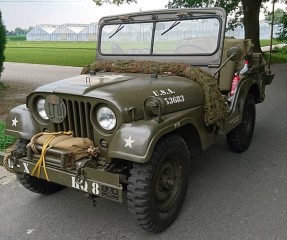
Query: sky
[26, 13]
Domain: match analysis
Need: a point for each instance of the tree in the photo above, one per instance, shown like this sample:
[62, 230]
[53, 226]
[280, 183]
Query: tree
[2, 43]
[278, 14]
[280, 18]
[251, 10]
[232, 8]
[117, 2]
[282, 35]
[235, 8]
[19, 31]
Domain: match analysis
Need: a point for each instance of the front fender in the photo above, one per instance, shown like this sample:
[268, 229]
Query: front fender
[20, 123]
[135, 141]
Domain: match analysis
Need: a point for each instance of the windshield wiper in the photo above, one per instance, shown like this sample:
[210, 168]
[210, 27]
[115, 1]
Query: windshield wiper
[172, 26]
[118, 29]
[123, 19]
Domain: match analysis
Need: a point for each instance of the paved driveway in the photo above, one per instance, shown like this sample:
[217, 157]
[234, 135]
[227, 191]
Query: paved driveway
[24, 78]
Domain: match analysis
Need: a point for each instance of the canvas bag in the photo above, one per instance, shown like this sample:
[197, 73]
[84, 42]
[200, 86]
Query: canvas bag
[80, 147]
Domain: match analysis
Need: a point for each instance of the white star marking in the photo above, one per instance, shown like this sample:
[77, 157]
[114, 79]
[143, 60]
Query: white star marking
[14, 122]
[129, 141]
[112, 77]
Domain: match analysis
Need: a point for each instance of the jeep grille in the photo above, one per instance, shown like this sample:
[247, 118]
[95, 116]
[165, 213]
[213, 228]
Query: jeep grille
[77, 119]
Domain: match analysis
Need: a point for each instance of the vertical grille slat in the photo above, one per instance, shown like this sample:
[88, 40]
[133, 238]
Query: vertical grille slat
[88, 122]
[57, 127]
[65, 124]
[77, 119]
[82, 119]
[70, 116]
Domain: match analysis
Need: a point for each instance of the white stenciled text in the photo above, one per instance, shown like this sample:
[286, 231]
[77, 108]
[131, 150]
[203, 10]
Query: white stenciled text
[163, 92]
[175, 99]
[95, 187]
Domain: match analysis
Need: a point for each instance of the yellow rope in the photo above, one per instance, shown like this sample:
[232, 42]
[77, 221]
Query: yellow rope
[58, 133]
[42, 162]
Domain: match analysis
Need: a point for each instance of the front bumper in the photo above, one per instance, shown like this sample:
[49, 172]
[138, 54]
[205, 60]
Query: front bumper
[92, 181]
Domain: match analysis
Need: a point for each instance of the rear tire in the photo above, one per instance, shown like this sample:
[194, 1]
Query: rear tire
[240, 137]
[157, 189]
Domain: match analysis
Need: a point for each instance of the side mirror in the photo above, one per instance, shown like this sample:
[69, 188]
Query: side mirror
[234, 53]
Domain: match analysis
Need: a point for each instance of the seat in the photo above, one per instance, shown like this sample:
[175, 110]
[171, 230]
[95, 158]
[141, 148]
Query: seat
[227, 72]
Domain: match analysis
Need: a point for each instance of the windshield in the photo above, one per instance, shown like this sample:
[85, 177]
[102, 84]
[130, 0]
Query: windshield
[198, 36]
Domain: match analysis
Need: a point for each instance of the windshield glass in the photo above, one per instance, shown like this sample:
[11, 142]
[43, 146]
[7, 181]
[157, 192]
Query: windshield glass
[131, 39]
[175, 37]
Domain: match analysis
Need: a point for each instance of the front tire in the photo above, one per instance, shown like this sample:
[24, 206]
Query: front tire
[240, 137]
[33, 184]
[38, 185]
[157, 189]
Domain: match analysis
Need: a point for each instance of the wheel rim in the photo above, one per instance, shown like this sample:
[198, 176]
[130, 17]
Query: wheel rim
[167, 183]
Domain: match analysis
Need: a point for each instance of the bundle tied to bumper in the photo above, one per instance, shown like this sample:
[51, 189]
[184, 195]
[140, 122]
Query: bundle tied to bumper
[65, 141]
[214, 105]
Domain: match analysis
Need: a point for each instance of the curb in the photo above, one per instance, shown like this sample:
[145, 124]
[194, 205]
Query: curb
[267, 48]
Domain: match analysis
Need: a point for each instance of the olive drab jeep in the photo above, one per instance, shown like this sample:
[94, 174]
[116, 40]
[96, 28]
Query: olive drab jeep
[165, 86]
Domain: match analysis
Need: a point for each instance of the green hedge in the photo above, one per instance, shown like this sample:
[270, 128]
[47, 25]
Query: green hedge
[16, 38]
[2, 43]
[5, 140]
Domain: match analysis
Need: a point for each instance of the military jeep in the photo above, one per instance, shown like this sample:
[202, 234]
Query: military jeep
[157, 95]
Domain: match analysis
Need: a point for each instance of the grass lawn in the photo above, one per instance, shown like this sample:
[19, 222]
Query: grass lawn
[278, 55]
[77, 54]
[266, 42]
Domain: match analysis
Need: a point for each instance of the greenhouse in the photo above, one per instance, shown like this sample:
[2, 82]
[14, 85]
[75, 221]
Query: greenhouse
[88, 32]
[64, 32]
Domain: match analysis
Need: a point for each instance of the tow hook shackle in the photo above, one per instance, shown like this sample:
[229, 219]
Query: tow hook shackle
[80, 176]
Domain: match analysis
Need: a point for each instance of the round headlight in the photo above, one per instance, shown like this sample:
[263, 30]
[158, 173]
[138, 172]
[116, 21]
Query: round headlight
[106, 118]
[41, 108]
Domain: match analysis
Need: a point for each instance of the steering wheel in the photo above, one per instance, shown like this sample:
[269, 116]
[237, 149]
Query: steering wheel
[185, 48]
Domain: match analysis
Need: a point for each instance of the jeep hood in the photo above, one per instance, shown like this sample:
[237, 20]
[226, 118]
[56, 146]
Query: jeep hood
[126, 90]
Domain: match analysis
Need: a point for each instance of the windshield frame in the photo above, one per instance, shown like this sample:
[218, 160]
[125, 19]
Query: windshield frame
[169, 15]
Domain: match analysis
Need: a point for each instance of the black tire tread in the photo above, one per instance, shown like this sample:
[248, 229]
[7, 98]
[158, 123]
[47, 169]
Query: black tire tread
[233, 138]
[38, 185]
[139, 188]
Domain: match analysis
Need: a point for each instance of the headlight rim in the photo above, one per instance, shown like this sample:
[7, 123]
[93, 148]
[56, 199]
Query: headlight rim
[97, 109]
[37, 100]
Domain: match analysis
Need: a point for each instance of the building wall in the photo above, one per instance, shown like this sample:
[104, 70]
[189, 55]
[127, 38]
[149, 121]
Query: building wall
[64, 32]
[89, 32]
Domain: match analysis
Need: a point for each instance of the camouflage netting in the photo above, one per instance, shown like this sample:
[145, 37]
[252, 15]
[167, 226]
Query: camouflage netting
[215, 110]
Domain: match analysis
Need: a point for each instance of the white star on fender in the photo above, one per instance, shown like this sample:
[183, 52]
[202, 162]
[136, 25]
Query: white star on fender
[112, 77]
[14, 122]
[129, 141]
